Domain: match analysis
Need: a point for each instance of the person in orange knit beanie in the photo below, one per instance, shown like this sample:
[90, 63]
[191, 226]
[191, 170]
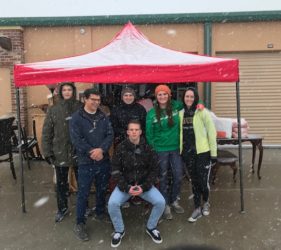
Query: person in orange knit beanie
[162, 133]
[164, 88]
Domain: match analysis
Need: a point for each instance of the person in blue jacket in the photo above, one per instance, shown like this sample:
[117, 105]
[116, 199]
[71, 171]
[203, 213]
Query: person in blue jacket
[92, 135]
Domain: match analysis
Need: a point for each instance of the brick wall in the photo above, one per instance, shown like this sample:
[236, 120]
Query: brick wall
[8, 59]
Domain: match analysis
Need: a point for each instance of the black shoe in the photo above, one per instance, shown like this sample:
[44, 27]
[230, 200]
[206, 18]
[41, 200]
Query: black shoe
[60, 215]
[116, 239]
[155, 235]
[80, 232]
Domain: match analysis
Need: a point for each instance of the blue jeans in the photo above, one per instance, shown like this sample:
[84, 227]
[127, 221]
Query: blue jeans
[118, 197]
[170, 160]
[87, 174]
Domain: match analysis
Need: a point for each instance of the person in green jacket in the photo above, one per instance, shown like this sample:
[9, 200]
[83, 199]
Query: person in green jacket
[199, 149]
[163, 134]
[56, 144]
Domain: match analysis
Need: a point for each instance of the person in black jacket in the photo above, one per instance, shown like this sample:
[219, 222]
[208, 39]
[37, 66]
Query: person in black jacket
[135, 169]
[92, 135]
[126, 111]
[56, 143]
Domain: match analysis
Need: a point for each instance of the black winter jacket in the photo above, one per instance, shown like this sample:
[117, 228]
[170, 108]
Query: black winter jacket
[122, 114]
[134, 164]
[88, 132]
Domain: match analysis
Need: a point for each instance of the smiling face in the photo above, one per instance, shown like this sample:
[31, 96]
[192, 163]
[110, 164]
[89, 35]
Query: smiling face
[92, 103]
[189, 98]
[162, 98]
[67, 92]
[128, 98]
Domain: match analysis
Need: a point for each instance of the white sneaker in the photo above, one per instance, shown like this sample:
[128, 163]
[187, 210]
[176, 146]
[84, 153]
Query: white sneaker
[196, 214]
[206, 209]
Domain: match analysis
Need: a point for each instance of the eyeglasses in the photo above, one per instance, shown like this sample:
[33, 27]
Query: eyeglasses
[95, 99]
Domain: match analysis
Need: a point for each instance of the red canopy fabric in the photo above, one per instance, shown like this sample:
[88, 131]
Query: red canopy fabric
[129, 58]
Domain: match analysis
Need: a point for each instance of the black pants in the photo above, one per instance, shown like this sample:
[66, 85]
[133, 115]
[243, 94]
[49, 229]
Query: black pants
[199, 168]
[63, 186]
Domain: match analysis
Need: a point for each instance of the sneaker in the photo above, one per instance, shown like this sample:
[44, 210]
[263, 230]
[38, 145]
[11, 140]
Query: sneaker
[80, 232]
[116, 239]
[155, 235]
[196, 214]
[206, 209]
[60, 215]
[176, 206]
[167, 213]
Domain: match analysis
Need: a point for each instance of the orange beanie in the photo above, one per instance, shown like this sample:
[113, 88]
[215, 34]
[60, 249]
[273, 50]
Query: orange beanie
[164, 88]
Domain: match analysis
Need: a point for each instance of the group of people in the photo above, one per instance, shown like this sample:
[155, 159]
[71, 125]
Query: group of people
[147, 162]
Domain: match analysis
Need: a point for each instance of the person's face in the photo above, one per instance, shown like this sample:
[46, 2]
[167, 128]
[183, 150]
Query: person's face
[92, 103]
[134, 132]
[128, 98]
[67, 92]
[189, 98]
[162, 97]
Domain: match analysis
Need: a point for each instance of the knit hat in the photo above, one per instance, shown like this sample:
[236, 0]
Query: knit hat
[128, 90]
[164, 88]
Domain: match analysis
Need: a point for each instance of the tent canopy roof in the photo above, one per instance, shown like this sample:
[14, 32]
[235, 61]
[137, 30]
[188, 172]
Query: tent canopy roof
[129, 58]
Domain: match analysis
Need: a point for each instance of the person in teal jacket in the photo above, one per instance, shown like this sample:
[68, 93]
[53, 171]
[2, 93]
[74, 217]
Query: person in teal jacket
[198, 147]
[163, 134]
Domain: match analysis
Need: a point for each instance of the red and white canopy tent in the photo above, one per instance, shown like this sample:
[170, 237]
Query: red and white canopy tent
[131, 58]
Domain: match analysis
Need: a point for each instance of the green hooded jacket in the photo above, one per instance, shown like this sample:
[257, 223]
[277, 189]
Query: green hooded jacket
[55, 135]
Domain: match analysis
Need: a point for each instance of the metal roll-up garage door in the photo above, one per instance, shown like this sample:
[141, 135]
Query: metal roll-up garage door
[260, 93]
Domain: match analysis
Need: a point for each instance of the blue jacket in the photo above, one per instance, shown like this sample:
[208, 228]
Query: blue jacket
[88, 132]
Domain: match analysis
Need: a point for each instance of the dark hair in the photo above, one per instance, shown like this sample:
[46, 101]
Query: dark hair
[169, 112]
[196, 97]
[134, 122]
[70, 84]
[91, 91]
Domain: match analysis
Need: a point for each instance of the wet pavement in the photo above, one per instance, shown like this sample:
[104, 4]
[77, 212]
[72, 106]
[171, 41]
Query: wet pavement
[225, 228]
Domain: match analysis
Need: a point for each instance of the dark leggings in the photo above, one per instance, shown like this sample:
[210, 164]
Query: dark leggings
[63, 186]
[199, 167]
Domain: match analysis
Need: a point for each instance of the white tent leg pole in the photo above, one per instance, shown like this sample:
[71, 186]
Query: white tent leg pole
[20, 152]
[240, 148]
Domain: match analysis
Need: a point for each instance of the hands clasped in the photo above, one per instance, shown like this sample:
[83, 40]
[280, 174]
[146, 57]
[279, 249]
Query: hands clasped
[96, 154]
[135, 190]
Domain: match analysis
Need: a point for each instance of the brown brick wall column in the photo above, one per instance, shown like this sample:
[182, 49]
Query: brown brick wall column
[8, 59]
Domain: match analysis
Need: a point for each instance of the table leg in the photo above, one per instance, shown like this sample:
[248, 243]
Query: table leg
[260, 147]
[253, 156]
